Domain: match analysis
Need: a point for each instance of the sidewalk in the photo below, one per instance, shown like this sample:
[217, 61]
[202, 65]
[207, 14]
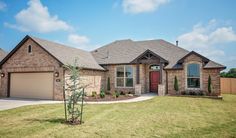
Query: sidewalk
[143, 97]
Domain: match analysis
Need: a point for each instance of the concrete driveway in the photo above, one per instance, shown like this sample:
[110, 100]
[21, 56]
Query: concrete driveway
[10, 103]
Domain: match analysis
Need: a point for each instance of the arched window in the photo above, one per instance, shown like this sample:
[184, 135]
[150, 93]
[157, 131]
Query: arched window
[193, 75]
[154, 67]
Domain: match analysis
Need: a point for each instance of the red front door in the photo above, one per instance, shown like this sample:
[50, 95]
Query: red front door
[154, 81]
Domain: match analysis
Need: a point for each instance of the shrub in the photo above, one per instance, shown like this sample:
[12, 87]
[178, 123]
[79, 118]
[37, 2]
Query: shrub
[183, 92]
[94, 94]
[108, 84]
[122, 93]
[117, 94]
[176, 85]
[102, 94]
[209, 84]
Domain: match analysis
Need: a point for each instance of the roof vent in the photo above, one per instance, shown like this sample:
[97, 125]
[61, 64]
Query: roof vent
[177, 43]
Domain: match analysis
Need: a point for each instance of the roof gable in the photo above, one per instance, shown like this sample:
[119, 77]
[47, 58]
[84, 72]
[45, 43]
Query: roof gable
[63, 54]
[20, 44]
[148, 55]
[204, 59]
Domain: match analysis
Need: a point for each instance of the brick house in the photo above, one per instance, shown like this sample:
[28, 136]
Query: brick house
[34, 68]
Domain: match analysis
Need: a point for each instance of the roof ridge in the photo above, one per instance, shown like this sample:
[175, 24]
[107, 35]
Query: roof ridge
[58, 44]
[172, 45]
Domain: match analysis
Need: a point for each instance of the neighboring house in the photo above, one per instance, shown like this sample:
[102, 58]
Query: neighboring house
[34, 68]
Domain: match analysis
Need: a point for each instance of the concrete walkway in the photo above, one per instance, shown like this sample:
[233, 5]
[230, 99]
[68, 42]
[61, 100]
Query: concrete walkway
[10, 103]
[143, 97]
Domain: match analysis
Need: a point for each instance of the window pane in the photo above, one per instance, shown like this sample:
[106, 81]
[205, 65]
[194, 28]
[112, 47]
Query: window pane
[129, 82]
[128, 71]
[120, 82]
[193, 83]
[120, 71]
[193, 70]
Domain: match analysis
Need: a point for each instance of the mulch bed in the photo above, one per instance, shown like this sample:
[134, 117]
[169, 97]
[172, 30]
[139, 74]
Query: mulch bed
[108, 98]
[198, 96]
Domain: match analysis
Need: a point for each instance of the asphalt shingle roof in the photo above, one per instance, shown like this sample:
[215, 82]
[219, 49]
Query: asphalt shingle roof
[125, 51]
[67, 55]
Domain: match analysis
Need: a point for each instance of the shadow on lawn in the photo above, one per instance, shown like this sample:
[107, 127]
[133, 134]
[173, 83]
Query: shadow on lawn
[53, 120]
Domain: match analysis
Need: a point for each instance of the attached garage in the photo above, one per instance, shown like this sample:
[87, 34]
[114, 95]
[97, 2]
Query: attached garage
[31, 85]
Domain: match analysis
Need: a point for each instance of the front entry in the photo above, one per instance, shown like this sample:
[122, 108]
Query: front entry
[154, 81]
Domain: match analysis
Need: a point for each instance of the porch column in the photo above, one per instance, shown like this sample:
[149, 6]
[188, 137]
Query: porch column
[137, 74]
[161, 68]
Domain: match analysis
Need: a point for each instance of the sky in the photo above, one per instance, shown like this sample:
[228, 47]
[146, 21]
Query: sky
[204, 26]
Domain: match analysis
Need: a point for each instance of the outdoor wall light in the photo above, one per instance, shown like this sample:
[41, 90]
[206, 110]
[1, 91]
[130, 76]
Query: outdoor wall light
[2, 75]
[56, 74]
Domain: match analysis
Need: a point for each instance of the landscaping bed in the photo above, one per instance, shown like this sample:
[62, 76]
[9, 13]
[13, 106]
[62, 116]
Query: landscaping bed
[200, 96]
[109, 98]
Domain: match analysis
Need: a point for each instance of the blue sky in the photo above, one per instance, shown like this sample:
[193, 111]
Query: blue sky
[207, 27]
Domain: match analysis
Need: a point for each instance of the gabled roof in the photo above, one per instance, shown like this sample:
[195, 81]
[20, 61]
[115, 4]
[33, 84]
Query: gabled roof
[2, 54]
[204, 59]
[126, 51]
[149, 52]
[63, 54]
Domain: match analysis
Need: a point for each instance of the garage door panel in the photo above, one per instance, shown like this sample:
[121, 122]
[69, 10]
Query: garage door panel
[31, 85]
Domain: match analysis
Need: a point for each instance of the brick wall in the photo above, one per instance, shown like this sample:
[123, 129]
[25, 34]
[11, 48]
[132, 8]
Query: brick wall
[204, 73]
[37, 61]
[92, 80]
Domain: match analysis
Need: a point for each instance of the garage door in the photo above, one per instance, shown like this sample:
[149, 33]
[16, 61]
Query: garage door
[31, 85]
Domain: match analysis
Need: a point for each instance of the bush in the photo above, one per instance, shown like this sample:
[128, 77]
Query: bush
[122, 93]
[176, 85]
[94, 94]
[209, 84]
[102, 94]
[183, 92]
[108, 84]
[117, 94]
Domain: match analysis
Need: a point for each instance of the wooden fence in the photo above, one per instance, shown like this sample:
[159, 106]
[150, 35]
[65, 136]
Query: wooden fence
[228, 85]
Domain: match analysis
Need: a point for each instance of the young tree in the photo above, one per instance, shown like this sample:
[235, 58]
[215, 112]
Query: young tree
[74, 93]
[209, 84]
[176, 85]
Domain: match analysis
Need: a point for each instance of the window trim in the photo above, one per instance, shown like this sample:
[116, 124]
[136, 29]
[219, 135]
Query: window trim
[200, 76]
[124, 77]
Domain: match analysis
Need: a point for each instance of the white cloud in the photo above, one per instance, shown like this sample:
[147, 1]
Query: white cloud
[78, 40]
[140, 6]
[206, 39]
[3, 6]
[38, 19]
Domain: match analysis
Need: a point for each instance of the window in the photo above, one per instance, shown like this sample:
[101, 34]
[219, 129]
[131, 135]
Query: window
[124, 76]
[193, 76]
[29, 49]
[154, 67]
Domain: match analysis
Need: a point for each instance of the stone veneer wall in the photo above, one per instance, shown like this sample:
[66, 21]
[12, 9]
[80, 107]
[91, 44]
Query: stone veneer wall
[37, 61]
[204, 74]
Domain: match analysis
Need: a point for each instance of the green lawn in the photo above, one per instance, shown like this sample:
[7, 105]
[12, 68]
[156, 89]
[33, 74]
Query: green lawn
[159, 117]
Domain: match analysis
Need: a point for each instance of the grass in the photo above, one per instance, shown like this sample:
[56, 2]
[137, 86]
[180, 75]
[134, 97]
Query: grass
[159, 117]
